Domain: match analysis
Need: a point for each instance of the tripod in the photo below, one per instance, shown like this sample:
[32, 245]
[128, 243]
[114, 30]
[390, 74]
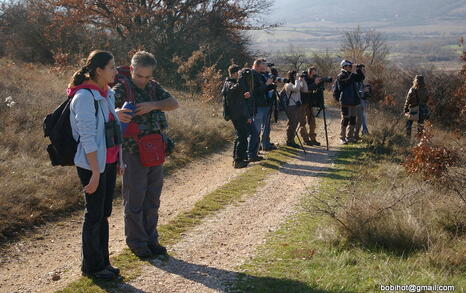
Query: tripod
[277, 102]
[322, 109]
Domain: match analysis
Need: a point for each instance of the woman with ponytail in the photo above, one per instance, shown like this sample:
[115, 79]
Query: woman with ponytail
[96, 128]
[416, 108]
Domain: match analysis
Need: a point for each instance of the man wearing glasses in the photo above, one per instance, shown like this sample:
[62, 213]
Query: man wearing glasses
[349, 99]
[142, 185]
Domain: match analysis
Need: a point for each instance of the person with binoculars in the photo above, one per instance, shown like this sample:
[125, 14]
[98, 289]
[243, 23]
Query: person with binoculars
[314, 97]
[346, 92]
[293, 89]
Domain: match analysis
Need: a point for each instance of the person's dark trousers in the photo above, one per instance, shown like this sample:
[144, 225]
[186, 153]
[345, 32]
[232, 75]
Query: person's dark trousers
[294, 117]
[142, 187]
[253, 144]
[259, 121]
[267, 128]
[409, 126]
[240, 148]
[95, 234]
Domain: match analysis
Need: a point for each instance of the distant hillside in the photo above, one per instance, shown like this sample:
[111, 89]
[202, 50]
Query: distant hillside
[419, 31]
[395, 12]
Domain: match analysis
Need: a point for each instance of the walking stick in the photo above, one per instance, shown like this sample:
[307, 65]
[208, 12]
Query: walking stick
[325, 126]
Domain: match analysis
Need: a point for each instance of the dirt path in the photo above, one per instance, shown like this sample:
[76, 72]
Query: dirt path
[206, 256]
[205, 260]
[28, 265]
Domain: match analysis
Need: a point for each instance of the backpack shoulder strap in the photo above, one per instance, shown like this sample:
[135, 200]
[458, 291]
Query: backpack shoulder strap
[130, 94]
[96, 103]
[153, 89]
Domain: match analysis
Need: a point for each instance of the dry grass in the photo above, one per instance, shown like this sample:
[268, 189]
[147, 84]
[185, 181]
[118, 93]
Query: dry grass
[384, 208]
[32, 191]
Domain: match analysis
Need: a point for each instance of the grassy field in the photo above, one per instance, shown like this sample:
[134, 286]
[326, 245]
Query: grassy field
[312, 253]
[32, 190]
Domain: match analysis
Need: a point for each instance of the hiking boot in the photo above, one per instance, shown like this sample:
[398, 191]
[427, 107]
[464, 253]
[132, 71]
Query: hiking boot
[104, 274]
[343, 141]
[352, 140]
[315, 143]
[272, 147]
[113, 269]
[256, 159]
[308, 142]
[240, 164]
[157, 249]
[293, 145]
[143, 253]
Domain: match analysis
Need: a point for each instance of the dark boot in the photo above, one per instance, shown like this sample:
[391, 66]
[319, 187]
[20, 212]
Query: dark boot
[104, 274]
[240, 164]
[157, 249]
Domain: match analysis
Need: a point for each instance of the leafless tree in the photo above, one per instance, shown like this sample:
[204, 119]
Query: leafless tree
[294, 59]
[325, 63]
[369, 47]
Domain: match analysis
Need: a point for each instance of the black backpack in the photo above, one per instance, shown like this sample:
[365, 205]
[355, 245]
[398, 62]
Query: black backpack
[57, 127]
[336, 91]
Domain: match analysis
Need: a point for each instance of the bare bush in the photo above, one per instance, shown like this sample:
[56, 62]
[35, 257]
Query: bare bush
[429, 160]
[388, 209]
[325, 63]
[292, 59]
[211, 81]
[368, 47]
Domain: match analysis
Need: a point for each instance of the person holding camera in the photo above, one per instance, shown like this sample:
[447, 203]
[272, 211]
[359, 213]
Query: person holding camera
[364, 92]
[238, 110]
[416, 108]
[144, 150]
[258, 88]
[347, 93]
[309, 98]
[293, 90]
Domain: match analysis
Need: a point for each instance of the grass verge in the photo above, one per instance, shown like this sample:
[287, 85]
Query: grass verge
[307, 255]
[232, 192]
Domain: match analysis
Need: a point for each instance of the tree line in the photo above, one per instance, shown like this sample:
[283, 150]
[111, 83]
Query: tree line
[209, 32]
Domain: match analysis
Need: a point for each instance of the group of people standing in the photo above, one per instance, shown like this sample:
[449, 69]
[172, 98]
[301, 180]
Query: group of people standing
[104, 147]
[250, 96]
[96, 116]
[248, 100]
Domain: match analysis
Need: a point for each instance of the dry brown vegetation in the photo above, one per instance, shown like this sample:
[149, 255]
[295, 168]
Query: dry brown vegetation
[33, 191]
[407, 196]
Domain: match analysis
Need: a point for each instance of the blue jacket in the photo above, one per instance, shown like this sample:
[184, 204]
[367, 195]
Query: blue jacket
[88, 127]
[349, 93]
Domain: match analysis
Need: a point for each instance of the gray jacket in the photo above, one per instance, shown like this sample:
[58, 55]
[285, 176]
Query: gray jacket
[88, 127]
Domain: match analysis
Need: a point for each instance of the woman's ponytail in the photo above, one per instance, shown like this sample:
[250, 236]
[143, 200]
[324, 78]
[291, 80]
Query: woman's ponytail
[96, 59]
[79, 77]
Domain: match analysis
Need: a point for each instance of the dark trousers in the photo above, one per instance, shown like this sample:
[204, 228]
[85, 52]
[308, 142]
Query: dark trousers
[420, 126]
[295, 117]
[240, 147]
[95, 256]
[348, 122]
[142, 187]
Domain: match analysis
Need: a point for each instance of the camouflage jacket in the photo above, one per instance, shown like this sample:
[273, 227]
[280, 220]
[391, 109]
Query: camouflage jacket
[149, 123]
